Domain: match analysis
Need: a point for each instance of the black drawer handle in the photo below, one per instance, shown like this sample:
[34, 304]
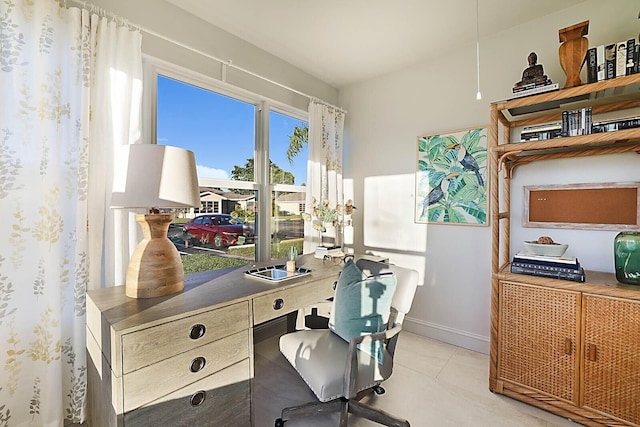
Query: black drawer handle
[335, 285]
[197, 331]
[197, 364]
[198, 398]
[278, 304]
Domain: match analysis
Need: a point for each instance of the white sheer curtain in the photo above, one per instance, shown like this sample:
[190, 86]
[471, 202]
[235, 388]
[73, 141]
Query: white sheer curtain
[70, 85]
[324, 167]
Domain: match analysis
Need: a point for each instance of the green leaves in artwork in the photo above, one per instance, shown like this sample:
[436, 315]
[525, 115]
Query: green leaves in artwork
[450, 179]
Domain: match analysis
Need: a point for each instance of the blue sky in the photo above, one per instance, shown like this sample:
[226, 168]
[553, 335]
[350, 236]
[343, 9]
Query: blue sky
[220, 130]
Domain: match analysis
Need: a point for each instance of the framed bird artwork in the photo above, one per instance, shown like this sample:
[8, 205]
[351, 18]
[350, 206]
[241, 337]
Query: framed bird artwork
[451, 178]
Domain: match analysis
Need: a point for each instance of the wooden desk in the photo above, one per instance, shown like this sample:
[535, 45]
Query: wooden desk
[187, 359]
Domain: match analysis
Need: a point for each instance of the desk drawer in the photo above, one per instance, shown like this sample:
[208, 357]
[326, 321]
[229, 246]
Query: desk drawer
[221, 399]
[151, 382]
[285, 301]
[148, 346]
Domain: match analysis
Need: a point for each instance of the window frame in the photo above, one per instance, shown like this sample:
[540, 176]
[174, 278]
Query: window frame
[153, 67]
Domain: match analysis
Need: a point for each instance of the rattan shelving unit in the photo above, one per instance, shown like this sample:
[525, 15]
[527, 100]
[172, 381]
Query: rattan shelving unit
[570, 348]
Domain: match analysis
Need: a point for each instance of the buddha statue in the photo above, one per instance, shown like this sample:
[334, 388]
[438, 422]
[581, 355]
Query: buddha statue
[534, 73]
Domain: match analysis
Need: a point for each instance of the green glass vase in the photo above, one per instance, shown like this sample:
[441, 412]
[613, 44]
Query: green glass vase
[626, 251]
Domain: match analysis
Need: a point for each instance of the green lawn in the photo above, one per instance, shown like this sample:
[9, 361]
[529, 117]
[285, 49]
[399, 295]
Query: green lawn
[205, 262]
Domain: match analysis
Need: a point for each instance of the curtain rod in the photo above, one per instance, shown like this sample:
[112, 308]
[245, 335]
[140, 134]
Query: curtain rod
[100, 11]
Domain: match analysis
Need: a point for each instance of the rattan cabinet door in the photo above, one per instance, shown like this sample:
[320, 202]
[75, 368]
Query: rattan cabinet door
[538, 336]
[611, 381]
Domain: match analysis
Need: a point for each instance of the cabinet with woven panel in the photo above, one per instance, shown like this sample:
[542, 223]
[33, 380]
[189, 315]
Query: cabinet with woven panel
[568, 347]
[539, 333]
[611, 372]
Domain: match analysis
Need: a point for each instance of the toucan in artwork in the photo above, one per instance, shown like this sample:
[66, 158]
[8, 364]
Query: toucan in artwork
[437, 192]
[467, 161]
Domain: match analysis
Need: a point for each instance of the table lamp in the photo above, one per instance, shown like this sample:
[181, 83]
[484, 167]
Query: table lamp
[153, 177]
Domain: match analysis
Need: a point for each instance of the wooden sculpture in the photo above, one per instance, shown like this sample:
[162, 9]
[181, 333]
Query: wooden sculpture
[572, 51]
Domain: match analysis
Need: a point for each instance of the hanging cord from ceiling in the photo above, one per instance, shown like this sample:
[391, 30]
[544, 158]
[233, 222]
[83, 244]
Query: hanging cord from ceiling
[227, 63]
[478, 95]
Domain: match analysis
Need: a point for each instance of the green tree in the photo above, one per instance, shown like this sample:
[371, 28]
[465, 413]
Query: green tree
[297, 140]
[246, 173]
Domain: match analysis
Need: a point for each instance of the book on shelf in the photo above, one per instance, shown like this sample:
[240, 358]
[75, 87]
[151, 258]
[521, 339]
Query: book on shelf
[575, 275]
[519, 93]
[544, 126]
[621, 59]
[592, 65]
[523, 87]
[541, 132]
[602, 66]
[631, 57]
[541, 135]
[610, 61]
[562, 261]
[613, 125]
[577, 122]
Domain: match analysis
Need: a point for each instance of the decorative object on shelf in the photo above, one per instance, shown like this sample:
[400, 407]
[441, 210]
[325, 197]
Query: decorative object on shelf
[155, 176]
[451, 178]
[545, 246]
[533, 76]
[572, 51]
[627, 257]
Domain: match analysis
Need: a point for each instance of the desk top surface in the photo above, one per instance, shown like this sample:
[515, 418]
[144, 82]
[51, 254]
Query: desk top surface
[224, 287]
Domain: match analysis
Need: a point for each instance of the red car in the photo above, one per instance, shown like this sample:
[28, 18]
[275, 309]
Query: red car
[221, 230]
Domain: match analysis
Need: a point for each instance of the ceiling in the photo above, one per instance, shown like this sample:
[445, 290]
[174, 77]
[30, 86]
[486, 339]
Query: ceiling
[346, 41]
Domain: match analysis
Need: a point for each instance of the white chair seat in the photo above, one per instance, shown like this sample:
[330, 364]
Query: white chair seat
[317, 353]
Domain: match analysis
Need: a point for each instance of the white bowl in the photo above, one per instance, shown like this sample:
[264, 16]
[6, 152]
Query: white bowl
[554, 249]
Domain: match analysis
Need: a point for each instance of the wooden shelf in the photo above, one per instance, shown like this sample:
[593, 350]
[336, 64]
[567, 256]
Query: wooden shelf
[545, 314]
[614, 91]
[618, 138]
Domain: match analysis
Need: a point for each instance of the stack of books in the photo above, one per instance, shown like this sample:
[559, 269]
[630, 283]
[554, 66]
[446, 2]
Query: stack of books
[541, 132]
[564, 268]
[577, 122]
[616, 124]
[534, 88]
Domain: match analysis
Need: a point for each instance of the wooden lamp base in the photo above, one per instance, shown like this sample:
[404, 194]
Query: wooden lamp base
[155, 268]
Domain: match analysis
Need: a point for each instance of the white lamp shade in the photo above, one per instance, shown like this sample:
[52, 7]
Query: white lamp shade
[155, 176]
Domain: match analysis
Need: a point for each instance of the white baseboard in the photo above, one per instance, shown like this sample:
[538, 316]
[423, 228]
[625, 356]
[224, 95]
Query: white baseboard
[446, 334]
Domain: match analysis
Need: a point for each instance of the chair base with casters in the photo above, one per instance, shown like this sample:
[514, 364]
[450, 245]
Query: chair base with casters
[338, 372]
[326, 349]
[342, 406]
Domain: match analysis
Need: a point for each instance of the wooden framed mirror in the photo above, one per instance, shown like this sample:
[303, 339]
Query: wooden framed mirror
[601, 206]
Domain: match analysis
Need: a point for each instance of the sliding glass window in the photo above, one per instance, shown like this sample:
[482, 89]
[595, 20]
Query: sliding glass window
[231, 134]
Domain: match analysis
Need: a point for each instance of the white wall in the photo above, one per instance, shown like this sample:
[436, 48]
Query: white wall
[172, 22]
[386, 114]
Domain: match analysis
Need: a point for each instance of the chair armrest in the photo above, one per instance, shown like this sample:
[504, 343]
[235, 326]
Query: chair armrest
[378, 336]
[351, 371]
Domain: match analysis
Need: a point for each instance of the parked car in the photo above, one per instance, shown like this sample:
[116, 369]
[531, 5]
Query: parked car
[221, 230]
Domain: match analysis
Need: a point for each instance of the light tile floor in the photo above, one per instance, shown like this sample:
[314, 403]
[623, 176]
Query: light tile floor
[433, 384]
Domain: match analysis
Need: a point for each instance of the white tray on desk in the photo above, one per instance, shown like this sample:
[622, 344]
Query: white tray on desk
[276, 273]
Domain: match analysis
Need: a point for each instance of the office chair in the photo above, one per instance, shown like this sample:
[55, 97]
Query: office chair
[340, 372]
